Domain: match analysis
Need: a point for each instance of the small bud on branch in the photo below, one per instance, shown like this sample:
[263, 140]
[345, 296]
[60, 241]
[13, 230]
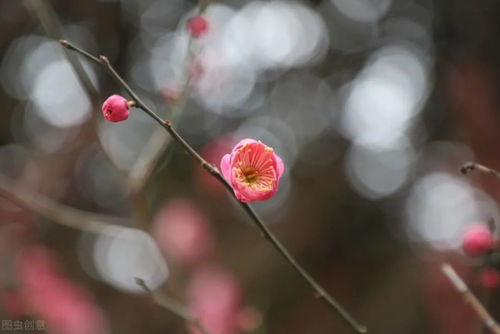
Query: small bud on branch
[197, 26]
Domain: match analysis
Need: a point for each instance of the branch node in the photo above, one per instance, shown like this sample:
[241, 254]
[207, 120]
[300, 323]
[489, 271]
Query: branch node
[209, 167]
[467, 167]
[104, 60]
[64, 43]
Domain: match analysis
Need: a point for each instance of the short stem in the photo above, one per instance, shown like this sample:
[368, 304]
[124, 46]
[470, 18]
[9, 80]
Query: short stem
[212, 170]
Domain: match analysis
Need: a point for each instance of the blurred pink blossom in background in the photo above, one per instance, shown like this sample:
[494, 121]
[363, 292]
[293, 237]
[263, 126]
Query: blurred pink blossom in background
[17, 221]
[64, 306]
[213, 152]
[490, 278]
[171, 93]
[215, 297]
[183, 232]
[13, 304]
[197, 26]
[477, 240]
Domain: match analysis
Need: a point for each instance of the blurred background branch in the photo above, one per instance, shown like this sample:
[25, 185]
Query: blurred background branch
[53, 28]
[469, 298]
[172, 306]
[471, 166]
[58, 213]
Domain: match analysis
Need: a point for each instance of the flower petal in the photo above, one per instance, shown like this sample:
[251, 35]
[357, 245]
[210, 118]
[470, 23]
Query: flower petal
[280, 167]
[225, 167]
[243, 142]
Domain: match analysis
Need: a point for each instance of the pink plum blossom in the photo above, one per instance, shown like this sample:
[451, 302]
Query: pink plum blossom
[253, 170]
[477, 240]
[115, 108]
[215, 297]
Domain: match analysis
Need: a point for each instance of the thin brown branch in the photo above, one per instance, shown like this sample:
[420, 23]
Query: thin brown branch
[470, 166]
[469, 298]
[172, 306]
[167, 125]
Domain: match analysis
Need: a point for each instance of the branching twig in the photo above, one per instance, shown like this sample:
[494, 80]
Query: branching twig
[172, 306]
[469, 298]
[470, 166]
[167, 125]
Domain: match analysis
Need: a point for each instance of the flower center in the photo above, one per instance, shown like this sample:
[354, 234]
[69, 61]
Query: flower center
[250, 174]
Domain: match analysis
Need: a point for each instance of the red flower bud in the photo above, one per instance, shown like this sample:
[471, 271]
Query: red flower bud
[490, 278]
[115, 108]
[197, 26]
[477, 240]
